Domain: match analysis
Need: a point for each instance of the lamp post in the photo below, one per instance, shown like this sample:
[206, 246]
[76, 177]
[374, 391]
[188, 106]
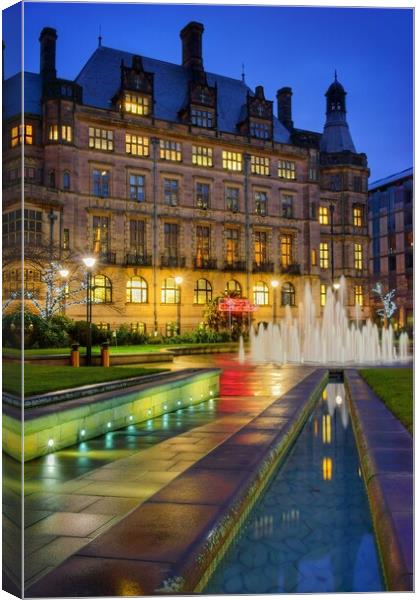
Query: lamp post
[178, 281]
[64, 273]
[274, 285]
[89, 263]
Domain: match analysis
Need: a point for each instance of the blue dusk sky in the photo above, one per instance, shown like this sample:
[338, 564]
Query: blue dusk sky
[371, 48]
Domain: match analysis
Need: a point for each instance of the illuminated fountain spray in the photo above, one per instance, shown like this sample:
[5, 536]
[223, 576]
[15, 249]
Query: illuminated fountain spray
[329, 339]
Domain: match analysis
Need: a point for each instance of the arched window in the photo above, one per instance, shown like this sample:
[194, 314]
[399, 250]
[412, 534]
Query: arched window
[233, 288]
[202, 291]
[51, 179]
[261, 293]
[288, 295]
[169, 291]
[101, 289]
[66, 180]
[136, 290]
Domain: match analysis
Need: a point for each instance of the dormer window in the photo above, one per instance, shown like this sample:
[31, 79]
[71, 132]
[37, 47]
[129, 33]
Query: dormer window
[260, 130]
[136, 105]
[202, 118]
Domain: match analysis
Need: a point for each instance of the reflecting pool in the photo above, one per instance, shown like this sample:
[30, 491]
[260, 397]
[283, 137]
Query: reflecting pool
[311, 531]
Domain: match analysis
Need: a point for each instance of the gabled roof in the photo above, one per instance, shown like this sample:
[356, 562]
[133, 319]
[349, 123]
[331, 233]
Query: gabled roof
[100, 79]
[390, 179]
[12, 95]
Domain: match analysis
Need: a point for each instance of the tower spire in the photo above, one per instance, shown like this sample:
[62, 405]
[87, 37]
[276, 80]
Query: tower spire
[100, 37]
[335, 75]
[243, 73]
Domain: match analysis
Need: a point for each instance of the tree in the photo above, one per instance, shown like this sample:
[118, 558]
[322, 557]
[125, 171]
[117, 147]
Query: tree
[216, 320]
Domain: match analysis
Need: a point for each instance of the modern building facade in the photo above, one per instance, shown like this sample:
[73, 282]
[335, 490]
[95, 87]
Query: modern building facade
[164, 171]
[391, 233]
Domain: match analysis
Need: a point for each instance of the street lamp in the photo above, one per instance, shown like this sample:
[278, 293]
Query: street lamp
[274, 285]
[89, 262]
[178, 281]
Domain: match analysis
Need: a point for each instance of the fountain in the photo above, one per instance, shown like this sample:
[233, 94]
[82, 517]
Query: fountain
[241, 356]
[329, 339]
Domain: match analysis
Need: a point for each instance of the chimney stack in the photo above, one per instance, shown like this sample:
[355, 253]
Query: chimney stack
[191, 37]
[47, 40]
[284, 107]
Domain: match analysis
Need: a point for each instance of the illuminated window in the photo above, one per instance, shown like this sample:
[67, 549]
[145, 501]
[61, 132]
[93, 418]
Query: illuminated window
[202, 292]
[169, 291]
[202, 195]
[260, 247]
[358, 295]
[53, 132]
[323, 255]
[326, 429]
[232, 199]
[202, 156]
[260, 293]
[314, 258]
[202, 118]
[287, 206]
[100, 234]
[103, 326]
[232, 161]
[170, 150]
[260, 130]
[136, 290]
[66, 133]
[232, 245]
[138, 327]
[233, 288]
[100, 183]
[203, 245]
[358, 258]
[136, 145]
[357, 216]
[327, 469]
[261, 202]
[101, 139]
[66, 239]
[171, 192]
[288, 295]
[286, 242]
[17, 133]
[323, 294]
[323, 215]
[286, 169]
[260, 165]
[136, 105]
[137, 188]
[101, 289]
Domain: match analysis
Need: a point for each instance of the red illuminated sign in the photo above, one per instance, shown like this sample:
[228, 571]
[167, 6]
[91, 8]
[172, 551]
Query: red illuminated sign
[236, 305]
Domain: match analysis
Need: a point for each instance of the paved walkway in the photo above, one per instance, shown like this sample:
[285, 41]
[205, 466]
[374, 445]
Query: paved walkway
[74, 495]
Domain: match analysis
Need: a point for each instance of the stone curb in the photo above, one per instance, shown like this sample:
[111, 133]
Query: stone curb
[386, 457]
[163, 564]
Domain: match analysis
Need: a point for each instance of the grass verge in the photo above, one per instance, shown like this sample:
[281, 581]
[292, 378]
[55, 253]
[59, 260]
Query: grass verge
[41, 379]
[395, 388]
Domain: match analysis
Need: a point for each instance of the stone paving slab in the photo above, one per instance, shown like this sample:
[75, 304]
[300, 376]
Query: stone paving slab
[168, 531]
[386, 458]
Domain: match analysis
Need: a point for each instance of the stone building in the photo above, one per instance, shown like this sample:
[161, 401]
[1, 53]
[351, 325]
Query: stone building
[164, 171]
[391, 241]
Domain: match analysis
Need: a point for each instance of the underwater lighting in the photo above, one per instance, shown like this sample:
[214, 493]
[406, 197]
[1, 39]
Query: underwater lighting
[108, 424]
[50, 443]
[165, 407]
[83, 432]
[338, 400]
[130, 417]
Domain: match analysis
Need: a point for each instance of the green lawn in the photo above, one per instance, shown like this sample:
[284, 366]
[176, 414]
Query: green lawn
[41, 379]
[395, 388]
[141, 348]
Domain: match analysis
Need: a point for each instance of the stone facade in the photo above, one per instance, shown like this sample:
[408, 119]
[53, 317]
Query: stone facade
[164, 213]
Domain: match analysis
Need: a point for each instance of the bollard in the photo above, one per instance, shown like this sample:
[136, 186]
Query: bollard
[75, 355]
[105, 354]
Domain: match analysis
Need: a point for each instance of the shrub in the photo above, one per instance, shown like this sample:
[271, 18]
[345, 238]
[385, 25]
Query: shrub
[79, 332]
[38, 332]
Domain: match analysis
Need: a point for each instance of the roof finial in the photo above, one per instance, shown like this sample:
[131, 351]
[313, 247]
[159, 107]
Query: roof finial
[243, 73]
[335, 75]
[100, 37]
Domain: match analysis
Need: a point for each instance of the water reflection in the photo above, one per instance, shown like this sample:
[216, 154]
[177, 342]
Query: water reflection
[311, 531]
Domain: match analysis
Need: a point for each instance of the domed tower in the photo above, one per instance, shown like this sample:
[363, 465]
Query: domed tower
[343, 205]
[336, 136]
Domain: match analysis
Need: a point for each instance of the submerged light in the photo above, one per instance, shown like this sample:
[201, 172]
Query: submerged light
[50, 443]
[83, 432]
